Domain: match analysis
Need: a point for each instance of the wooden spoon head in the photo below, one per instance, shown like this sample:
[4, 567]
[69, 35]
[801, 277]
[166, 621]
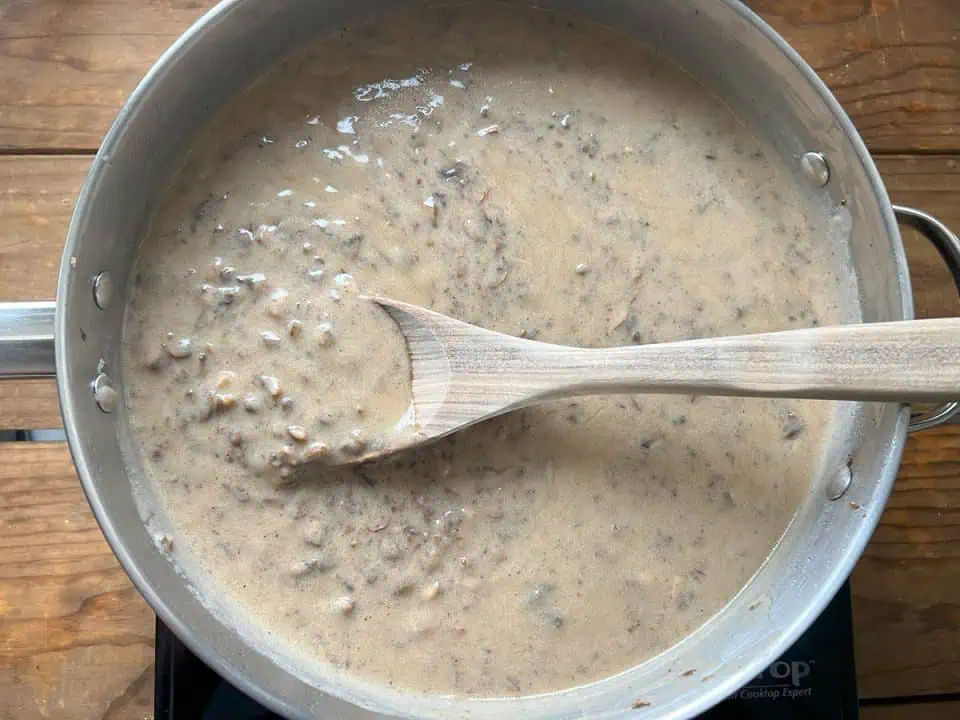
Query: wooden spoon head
[430, 338]
[455, 376]
[455, 369]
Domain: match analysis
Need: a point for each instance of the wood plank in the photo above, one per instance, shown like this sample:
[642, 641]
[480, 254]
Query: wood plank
[894, 66]
[37, 195]
[912, 711]
[906, 588]
[76, 639]
[66, 67]
[930, 183]
[29, 405]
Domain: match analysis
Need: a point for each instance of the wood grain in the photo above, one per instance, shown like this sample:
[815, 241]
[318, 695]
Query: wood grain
[463, 374]
[66, 67]
[906, 588]
[37, 195]
[29, 405]
[912, 711]
[894, 65]
[76, 640]
[930, 183]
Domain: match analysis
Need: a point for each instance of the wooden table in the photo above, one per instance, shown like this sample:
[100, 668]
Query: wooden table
[76, 640]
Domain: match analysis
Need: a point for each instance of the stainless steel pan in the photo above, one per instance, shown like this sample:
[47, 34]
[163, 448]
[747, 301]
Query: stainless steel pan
[78, 338]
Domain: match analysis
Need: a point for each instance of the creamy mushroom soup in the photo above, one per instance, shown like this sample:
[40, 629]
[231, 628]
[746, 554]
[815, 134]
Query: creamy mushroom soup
[530, 173]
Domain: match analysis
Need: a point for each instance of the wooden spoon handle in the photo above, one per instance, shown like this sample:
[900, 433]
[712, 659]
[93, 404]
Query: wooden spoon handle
[909, 361]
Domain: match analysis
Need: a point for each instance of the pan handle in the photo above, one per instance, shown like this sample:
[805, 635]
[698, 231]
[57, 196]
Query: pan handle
[948, 245]
[26, 340]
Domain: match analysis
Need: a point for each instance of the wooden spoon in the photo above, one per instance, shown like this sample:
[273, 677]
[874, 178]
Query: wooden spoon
[463, 374]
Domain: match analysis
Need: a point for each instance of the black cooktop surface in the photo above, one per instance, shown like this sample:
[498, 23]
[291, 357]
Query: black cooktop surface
[813, 680]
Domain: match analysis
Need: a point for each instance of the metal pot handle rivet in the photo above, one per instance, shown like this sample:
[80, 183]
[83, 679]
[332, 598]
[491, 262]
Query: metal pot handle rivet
[948, 245]
[104, 394]
[840, 483]
[816, 169]
[103, 290]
